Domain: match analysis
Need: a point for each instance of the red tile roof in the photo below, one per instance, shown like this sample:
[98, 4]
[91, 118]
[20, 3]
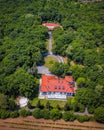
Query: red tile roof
[55, 84]
[51, 26]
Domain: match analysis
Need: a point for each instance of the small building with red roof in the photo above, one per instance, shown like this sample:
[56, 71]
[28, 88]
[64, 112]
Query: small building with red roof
[51, 26]
[52, 87]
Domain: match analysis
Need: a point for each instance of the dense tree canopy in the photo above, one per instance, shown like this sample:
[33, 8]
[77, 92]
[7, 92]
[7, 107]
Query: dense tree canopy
[23, 43]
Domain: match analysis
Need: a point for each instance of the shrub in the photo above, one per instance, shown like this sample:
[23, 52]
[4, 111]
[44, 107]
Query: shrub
[45, 113]
[69, 116]
[55, 114]
[36, 113]
[75, 107]
[24, 113]
[99, 114]
[78, 107]
[14, 114]
[48, 105]
[91, 109]
[82, 118]
[39, 105]
[29, 105]
[4, 114]
[12, 105]
[81, 107]
[66, 106]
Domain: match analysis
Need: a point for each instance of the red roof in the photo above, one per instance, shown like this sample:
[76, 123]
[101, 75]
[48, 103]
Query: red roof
[51, 26]
[55, 84]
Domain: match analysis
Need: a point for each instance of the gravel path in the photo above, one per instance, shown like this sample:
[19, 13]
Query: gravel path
[44, 70]
[83, 113]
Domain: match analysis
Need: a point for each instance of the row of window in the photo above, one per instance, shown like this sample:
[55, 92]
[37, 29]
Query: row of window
[62, 93]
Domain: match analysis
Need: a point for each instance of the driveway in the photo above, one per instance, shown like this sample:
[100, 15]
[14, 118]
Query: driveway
[43, 69]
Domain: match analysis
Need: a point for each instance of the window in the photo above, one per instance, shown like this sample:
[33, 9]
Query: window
[55, 87]
[59, 87]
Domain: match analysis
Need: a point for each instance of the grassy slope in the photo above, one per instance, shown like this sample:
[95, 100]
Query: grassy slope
[53, 103]
[49, 61]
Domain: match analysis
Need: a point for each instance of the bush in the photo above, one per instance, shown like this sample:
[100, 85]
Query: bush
[39, 105]
[69, 116]
[36, 113]
[91, 109]
[12, 105]
[75, 107]
[82, 118]
[45, 113]
[24, 113]
[14, 114]
[29, 105]
[4, 114]
[81, 107]
[66, 106]
[78, 107]
[55, 114]
[48, 105]
[99, 114]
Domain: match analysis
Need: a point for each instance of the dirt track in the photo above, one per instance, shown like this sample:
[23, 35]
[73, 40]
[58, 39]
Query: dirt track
[30, 123]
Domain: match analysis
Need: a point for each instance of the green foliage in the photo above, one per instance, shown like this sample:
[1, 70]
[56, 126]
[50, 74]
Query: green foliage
[14, 114]
[12, 105]
[91, 109]
[21, 83]
[4, 114]
[82, 118]
[60, 69]
[84, 96]
[81, 107]
[45, 113]
[29, 105]
[55, 114]
[99, 114]
[37, 113]
[24, 113]
[6, 103]
[3, 101]
[39, 105]
[23, 42]
[69, 116]
[67, 106]
[81, 82]
[48, 105]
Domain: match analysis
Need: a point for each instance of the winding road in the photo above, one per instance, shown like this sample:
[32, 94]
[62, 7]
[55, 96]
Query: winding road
[42, 69]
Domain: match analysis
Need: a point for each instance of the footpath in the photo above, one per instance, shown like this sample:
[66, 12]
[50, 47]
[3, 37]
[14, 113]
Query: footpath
[42, 69]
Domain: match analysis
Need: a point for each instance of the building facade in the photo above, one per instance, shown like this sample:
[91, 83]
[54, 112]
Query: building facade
[52, 87]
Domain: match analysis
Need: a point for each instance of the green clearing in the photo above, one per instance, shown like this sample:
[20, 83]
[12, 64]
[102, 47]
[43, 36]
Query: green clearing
[50, 61]
[53, 103]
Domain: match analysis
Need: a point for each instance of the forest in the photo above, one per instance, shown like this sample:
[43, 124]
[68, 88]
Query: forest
[23, 43]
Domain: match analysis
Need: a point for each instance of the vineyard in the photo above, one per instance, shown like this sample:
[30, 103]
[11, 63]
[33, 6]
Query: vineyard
[30, 123]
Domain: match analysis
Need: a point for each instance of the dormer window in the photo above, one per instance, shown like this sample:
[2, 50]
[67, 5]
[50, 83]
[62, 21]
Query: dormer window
[59, 87]
[55, 87]
[63, 87]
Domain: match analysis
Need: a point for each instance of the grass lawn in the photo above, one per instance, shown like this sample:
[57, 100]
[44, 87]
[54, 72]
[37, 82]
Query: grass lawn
[53, 103]
[49, 61]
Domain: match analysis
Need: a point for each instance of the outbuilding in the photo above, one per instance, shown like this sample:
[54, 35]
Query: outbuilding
[51, 26]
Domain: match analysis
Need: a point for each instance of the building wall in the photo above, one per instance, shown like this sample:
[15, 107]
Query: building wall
[54, 95]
